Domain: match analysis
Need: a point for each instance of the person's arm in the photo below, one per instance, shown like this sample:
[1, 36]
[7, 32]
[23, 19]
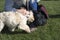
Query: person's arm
[8, 5]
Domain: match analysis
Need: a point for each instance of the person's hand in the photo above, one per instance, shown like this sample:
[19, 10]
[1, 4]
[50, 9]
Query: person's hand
[22, 10]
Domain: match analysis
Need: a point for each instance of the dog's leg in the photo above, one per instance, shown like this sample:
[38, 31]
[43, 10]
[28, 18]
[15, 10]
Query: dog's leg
[24, 27]
[1, 25]
[12, 29]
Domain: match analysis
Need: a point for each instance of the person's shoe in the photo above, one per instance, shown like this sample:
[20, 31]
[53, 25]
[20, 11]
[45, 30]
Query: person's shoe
[33, 29]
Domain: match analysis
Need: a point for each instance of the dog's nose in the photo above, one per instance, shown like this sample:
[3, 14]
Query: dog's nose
[32, 20]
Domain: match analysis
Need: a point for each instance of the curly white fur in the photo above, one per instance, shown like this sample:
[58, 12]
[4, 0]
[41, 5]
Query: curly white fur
[12, 19]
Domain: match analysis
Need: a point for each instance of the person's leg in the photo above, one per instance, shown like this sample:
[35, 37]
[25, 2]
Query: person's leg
[33, 4]
[8, 5]
[32, 26]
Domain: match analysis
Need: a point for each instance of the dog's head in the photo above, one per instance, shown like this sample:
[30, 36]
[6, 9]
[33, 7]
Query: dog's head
[30, 16]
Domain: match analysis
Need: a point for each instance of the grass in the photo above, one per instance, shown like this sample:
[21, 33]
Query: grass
[51, 31]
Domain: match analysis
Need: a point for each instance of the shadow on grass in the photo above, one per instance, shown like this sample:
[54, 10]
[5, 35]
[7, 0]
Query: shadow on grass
[6, 31]
[54, 16]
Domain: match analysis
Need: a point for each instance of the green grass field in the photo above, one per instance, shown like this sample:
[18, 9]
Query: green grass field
[51, 31]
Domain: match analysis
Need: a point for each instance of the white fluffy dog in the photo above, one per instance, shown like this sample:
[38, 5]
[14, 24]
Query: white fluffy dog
[12, 19]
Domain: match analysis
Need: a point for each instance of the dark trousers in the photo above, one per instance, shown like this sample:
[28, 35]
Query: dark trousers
[40, 16]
